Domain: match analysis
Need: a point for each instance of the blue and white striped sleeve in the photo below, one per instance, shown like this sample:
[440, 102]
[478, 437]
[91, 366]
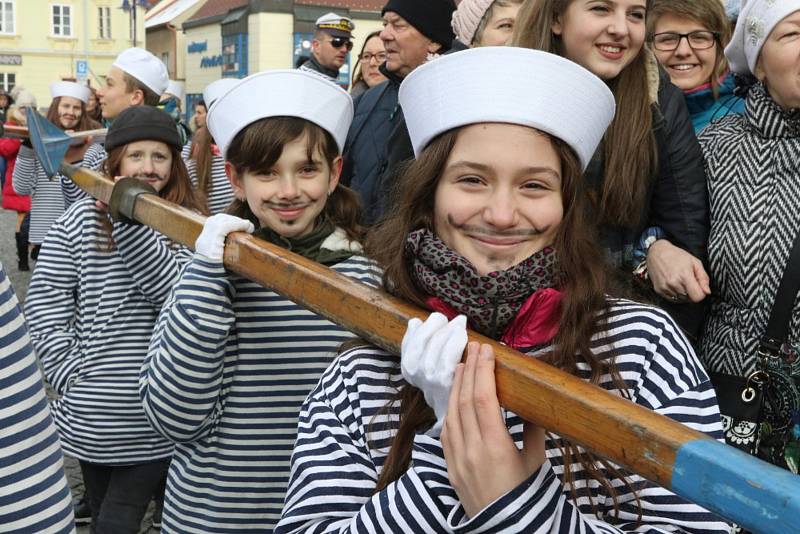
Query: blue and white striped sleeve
[93, 159]
[50, 307]
[333, 475]
[34, 495]
[150, 260]
[25, 171]
[182, 375]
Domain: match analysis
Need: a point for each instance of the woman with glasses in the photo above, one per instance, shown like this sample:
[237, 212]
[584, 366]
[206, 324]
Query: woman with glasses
[367, 72]
[646, 180]
[689, 37]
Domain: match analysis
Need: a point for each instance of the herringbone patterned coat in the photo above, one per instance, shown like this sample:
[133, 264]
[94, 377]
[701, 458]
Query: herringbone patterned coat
[753, 169]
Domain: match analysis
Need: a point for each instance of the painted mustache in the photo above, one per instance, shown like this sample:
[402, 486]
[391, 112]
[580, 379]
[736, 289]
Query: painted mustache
[149, 176]
[480, 230]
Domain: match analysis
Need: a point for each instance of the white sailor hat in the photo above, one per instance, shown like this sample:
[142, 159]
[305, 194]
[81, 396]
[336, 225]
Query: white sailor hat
[71, 89]
[145, 67]
[176, 89]
[216, 89]
[527, 87]
[756, 21]
[281, 93]
[336, 25]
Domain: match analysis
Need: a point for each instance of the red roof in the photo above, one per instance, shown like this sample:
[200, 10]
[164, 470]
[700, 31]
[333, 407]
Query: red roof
[216, 7]
[355, 5]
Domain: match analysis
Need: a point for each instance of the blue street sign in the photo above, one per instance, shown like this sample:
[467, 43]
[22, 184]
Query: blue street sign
[82, 69]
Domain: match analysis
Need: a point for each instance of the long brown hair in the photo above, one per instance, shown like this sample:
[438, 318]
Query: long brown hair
[203, 159]
[178, 190]
[629, 146]
[584, 283]
[710, 14]
[85, 123]
[259, 146]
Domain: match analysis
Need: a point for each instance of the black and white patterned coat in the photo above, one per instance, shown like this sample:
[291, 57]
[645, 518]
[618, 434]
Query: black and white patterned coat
[753, 168]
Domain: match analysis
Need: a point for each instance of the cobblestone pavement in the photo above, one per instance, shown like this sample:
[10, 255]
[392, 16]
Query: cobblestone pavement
[19, 281]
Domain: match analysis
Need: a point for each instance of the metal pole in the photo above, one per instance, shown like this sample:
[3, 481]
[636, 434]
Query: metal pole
[133, 14]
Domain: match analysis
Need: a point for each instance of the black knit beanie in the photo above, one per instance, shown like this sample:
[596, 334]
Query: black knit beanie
[140, 123]
[432, 18]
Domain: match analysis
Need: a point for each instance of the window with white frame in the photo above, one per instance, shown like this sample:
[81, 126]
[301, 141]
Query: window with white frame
[7, 80]
[104, 13]
[7, 16]
[62, 20]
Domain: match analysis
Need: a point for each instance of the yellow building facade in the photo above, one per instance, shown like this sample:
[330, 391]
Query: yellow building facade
[42, 41]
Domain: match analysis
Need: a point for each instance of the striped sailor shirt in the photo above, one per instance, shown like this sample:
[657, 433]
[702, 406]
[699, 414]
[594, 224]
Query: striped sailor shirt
[345, 434]
[91, 313]
[34, 495]
[47, 200]
[93, 160]
[229, 366]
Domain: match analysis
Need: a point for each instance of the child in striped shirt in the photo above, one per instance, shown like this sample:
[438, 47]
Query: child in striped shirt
[230, 361]
[490, 229]
[92, 304]
[34, 495]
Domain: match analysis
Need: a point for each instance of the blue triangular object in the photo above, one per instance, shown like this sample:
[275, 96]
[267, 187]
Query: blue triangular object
[49, 142]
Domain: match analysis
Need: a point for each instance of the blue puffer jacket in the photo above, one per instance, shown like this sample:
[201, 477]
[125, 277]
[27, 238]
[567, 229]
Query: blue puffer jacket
[377, 112]
[705, 109]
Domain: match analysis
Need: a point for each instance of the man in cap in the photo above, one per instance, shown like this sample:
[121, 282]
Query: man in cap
[378, 140]
[332, 42]
[136, 78]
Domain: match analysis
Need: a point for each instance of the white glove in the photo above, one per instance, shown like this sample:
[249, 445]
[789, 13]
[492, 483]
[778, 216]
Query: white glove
[429, 355]
[211, 241]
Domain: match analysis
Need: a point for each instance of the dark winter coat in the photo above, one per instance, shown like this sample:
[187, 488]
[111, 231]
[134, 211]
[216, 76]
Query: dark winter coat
[366, 154]
[676, 198]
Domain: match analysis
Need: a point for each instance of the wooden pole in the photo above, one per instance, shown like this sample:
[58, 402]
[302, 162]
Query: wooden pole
[739, 487]
[21, 132]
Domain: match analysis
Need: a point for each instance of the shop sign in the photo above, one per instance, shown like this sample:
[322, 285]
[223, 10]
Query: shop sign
[197, 47]
[211, 61]
[10, 59]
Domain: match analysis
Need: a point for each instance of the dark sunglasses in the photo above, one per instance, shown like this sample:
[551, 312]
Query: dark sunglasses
[338, 42]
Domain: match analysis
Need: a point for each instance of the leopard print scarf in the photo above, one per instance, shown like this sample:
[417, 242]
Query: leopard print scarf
[490, 302]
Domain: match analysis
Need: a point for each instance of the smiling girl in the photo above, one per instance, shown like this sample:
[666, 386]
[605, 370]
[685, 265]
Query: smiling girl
[689, 38]
[92, 305]
[231, 361]
[491, 231]
[647, 183]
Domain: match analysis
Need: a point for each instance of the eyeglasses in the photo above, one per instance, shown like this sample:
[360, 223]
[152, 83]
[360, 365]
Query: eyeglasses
[698, 40]
[338, 42]
[366, 57]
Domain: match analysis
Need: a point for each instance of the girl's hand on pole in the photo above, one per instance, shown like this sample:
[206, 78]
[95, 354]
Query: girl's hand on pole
[483, 462]
[211, 241]
[429, 354]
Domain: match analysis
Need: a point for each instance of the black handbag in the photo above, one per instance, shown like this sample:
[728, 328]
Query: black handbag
[761, 412]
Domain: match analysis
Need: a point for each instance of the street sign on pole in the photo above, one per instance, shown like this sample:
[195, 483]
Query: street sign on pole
[82, 70]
